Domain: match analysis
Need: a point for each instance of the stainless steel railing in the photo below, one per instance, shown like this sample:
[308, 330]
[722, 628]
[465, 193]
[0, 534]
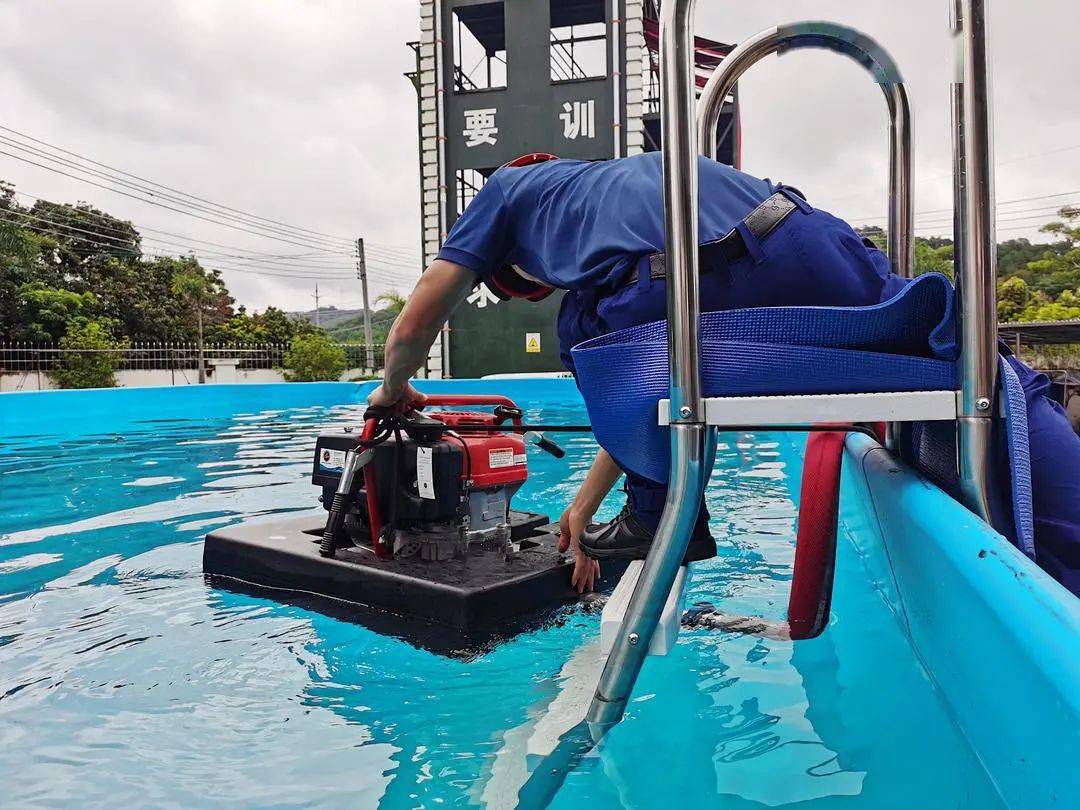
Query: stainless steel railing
[687, 471]
[687, 424]
[974, 242]
[868, 53]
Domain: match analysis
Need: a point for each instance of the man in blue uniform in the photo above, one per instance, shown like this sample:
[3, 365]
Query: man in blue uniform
[590, 228]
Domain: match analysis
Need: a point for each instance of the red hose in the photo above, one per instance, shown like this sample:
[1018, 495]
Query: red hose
[374, 514]
[815, 544]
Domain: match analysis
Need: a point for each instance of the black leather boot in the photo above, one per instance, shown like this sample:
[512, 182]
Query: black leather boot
[627, 538]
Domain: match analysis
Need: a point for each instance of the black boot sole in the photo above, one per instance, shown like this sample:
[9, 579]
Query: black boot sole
[697, 551]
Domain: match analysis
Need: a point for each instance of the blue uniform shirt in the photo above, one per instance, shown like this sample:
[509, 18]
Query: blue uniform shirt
[576, 224]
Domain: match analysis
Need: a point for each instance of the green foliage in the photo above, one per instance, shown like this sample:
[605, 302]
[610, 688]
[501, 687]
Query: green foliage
[352, 330]
[270, 326]
[77, 249]
[1047, 288]
[46, 312]
[24, 259]
[395, 302]
[1013, 297]
[931, 258]
[92, 357]
[1014, 255]
[313, 358]
[191, 286]
[875, 234]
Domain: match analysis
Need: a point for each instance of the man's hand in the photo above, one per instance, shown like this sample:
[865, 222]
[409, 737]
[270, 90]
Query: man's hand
[586, 569]
[404, 399]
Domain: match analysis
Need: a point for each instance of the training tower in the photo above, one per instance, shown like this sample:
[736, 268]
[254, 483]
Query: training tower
[495, 80]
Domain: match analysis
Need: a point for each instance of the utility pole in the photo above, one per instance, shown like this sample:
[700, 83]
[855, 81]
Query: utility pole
[361, 273]
[316, 296]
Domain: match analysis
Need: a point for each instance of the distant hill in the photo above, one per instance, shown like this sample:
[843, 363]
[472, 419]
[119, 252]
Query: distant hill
[347, 325]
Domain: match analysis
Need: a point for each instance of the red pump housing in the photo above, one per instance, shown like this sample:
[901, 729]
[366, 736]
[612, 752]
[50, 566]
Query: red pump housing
[492, 459]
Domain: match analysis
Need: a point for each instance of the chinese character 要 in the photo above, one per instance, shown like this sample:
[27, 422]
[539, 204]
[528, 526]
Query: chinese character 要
[480, 127]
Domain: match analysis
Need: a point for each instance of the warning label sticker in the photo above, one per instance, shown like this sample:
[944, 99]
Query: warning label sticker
[331, 460]
[502, 457]
[532, 343]
[425, 477]
[519, 459]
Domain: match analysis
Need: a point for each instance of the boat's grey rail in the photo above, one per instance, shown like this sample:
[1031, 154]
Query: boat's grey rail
[690, 415]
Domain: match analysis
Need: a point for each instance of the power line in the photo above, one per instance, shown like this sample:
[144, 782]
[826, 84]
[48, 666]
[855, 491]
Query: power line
[339, 245]
[168, 188]
[316, 254]
[131, 247]
[998, 204]
[267, 235]
[142, 229]
[125, 242]
[389, 261]
[1017, 159]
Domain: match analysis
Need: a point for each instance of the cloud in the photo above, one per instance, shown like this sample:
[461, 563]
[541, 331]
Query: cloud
[298, 111]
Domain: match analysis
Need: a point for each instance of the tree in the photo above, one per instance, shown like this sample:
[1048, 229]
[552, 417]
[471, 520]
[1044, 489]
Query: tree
[1056, 271]
[91, 356]
[1013, 297]
[46, 312]
[270, 326]
[930, 258]
[875, 234]
[192, 288]
[313, 358]
[1066, 307]
[395, 301]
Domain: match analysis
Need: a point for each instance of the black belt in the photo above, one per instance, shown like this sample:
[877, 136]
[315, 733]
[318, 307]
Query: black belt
[730, 248]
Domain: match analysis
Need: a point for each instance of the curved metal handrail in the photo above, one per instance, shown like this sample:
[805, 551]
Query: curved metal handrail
[876, 60]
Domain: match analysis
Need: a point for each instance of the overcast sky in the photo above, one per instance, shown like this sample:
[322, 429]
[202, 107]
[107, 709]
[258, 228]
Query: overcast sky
[297, 110]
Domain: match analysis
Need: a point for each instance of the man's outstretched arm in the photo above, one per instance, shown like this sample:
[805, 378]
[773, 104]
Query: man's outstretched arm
[442, 287]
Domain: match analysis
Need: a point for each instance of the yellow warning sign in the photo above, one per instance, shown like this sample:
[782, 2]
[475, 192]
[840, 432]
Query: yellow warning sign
[532, 343]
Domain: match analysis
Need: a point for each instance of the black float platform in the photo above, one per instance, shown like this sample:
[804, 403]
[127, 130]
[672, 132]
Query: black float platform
[481, 593]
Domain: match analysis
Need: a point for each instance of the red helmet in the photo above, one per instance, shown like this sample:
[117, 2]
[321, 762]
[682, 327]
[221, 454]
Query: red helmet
[529, 159]
[510, 281]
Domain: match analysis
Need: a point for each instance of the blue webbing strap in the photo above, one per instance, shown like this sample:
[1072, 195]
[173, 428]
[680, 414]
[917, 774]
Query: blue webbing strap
[1014, 406]
[907, 343]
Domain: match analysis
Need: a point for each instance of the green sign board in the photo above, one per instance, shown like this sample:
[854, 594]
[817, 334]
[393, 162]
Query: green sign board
[504, 336]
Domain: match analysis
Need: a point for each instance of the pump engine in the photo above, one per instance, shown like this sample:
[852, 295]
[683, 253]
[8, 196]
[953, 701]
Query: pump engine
[434, 484]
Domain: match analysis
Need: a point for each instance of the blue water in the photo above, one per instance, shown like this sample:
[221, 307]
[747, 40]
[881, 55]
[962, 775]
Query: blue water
[126, 678]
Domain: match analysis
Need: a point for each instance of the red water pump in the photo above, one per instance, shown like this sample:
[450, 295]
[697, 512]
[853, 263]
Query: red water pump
[433, 482]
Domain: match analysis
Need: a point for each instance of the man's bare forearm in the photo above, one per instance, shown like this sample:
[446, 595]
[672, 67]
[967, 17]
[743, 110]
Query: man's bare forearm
[602, 476]
[406, 352]
[441, 288]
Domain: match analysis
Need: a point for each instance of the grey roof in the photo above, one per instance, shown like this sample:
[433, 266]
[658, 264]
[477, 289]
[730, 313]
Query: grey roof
[1042, 331]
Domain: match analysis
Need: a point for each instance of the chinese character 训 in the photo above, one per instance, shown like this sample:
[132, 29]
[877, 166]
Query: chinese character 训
[480, 127]
[482, 296]
[579, 119]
